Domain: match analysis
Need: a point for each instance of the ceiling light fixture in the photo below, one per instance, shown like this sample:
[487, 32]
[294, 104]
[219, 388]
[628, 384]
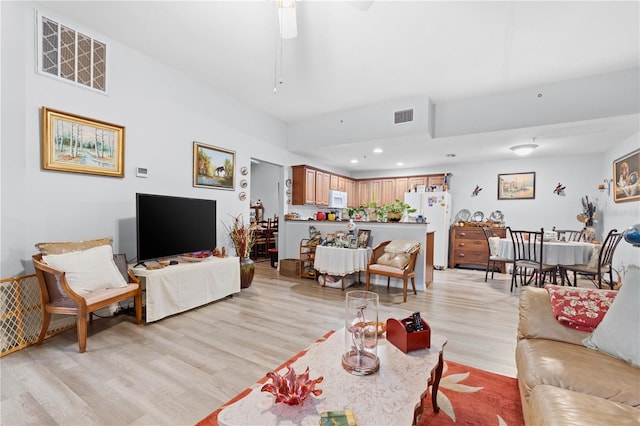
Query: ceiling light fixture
[525, 149]
[378, 151]
[354, 161]
[399, 163]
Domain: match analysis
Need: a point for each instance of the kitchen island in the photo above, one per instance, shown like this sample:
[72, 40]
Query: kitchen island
[296, 230]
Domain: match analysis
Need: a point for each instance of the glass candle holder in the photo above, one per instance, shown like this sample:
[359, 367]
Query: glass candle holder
[361, 333]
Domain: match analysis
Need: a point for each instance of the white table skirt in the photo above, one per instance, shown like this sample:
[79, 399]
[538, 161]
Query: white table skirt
[341, 261]
[178, 288]
[555, 252]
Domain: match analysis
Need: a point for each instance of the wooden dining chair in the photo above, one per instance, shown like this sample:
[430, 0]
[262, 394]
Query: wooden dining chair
[569, 234]
[528, 250]
[598, 266]
[493, 242]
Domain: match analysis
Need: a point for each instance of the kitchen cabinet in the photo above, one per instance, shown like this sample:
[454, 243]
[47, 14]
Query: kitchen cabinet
[303, 185]
[402, 186]
[469, 246]
[352, 194]
[333, 183]
[416, 181]
[363, 192]
[435, 180]
[323, 180]
[388, 191]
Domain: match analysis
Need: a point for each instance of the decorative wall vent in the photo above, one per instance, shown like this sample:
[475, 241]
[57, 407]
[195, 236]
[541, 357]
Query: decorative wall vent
[71, 55]
[403, 116]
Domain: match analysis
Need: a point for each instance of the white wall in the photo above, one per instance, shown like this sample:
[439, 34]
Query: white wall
[163, 112]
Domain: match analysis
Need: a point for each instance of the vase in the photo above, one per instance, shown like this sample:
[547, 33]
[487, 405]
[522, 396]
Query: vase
[247, 269]
[361, 333]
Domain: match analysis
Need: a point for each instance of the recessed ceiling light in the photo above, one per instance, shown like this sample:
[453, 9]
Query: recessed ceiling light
[399, 163]
[377, 150]
[354, 161]
[450, 155]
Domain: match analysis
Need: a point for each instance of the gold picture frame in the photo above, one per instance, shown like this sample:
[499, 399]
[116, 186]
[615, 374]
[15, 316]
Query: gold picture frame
[213, 167]
[626, 178]
[76, 144]
[517, 186]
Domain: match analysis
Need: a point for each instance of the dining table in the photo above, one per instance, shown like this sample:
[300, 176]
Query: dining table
[555, 252]
[341, 262]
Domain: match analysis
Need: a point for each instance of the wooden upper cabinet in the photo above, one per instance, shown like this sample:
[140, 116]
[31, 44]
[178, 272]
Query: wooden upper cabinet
[415, 181]
[333, 183]
[435, 180]
[363, 192]
[352, 194]
[303, 185]
[342, 183]
[402, 186]
[388, 190]
[323, 180]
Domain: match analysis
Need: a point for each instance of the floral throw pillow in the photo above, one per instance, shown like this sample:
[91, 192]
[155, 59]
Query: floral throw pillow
[580, 308]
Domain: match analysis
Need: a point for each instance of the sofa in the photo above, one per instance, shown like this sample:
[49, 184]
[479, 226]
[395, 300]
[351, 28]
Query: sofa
[564, 382]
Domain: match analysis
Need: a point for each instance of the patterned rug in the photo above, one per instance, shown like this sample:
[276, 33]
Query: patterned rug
[468, 396]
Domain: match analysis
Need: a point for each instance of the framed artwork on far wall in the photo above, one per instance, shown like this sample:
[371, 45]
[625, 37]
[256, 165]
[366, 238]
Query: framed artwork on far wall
[517, 186]
[626, 171]
[363, 237]
[76, 144]
[213, 167]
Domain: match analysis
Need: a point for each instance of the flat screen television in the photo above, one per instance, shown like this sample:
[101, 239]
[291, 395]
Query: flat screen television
[169, 226]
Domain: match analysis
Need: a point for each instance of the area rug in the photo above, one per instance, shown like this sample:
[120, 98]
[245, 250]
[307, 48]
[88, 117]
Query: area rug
[466, 396]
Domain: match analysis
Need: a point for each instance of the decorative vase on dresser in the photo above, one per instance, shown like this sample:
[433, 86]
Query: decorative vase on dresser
[247, 269]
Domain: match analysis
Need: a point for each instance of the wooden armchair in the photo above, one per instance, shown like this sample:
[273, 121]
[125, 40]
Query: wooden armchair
[59, 298]
[393, 268]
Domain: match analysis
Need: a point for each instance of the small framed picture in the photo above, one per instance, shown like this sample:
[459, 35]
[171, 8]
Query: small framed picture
[353, 241]
[363, 237]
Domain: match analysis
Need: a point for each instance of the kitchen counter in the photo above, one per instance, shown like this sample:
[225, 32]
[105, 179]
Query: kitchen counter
[357, 222]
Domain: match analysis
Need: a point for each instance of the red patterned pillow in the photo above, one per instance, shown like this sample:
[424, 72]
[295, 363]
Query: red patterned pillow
[580, 308]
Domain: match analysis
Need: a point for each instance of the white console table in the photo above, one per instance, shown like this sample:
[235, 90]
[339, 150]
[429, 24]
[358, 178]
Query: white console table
[178, 288]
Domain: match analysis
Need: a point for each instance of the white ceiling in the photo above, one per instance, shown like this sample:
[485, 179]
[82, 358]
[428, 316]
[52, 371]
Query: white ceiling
[352, 54]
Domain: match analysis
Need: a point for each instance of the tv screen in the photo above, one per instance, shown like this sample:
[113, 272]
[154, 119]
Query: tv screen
[168, 226]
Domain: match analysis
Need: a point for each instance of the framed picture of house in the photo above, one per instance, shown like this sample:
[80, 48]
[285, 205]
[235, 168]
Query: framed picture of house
[363, 237]
[517, 186]
[72, 143]
[626, 170]
[213, 167]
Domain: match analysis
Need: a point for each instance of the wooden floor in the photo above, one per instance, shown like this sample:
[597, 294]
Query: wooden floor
[178, 370]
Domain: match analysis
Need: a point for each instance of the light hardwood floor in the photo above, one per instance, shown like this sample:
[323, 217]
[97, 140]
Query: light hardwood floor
[178, 370]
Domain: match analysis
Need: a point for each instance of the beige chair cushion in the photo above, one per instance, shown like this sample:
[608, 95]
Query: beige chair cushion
[396, 260]
[494, 243]
[70, 246]
[402, 246]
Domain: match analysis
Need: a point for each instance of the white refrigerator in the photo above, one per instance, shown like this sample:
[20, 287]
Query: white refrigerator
[435, 207]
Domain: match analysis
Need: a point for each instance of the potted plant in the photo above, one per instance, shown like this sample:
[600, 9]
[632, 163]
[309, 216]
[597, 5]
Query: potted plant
[352, 212]
[243, 238]
[395, 211]
[372, 210]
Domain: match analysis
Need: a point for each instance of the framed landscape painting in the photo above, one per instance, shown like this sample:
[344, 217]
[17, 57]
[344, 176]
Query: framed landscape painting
[213, 167]
[517, 186]
[72, 143]
[626, 170]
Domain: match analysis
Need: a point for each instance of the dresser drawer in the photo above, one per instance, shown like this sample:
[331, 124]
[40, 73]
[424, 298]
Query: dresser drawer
[471, 245]
[473, 257]
[469, 233]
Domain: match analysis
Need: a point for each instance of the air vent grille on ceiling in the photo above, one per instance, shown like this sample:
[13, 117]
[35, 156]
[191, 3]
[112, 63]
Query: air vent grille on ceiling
[403, 116]
[68, 54]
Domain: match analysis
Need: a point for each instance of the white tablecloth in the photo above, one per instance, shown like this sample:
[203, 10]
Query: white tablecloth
[341, 261]
[177, 288]
[554, 252]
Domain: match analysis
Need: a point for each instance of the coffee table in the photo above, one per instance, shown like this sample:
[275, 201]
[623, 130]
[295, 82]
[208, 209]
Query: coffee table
[394, 395]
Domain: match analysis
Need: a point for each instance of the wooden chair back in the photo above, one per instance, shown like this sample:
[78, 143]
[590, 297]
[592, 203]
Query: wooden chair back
[569, 234]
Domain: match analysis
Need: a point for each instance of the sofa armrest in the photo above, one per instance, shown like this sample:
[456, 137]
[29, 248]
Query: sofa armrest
[536, 319]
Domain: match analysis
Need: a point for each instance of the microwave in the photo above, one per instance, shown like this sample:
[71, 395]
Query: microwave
[337, 199]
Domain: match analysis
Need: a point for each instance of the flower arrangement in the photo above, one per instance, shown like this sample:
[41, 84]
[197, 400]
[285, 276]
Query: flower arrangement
[242, 235]
[588, 212]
